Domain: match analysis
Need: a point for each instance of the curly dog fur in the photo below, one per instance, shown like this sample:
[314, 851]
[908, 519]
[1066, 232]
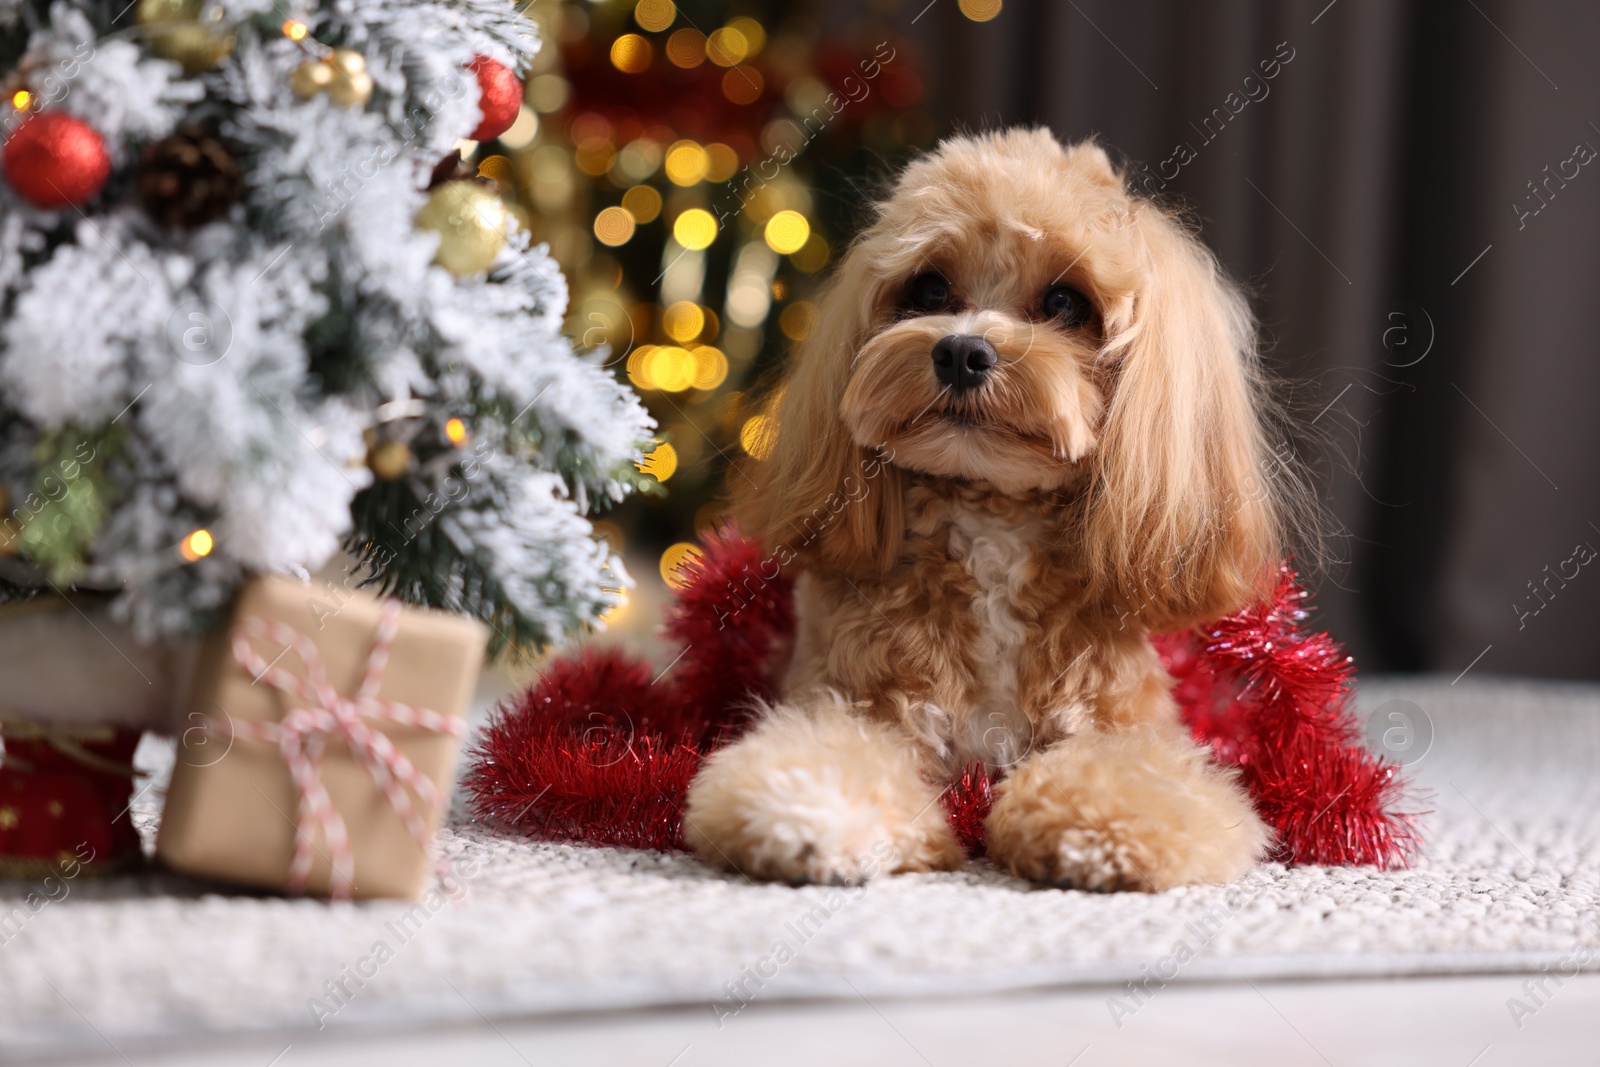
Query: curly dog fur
[1038, 399]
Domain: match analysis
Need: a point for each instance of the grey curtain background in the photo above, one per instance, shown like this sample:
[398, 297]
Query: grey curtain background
[1442, 345]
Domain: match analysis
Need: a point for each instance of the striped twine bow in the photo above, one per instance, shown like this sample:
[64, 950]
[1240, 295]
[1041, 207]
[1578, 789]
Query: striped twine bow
[302, 736]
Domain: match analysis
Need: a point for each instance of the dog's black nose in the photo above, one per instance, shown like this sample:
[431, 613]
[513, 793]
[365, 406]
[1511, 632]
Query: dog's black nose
[963, 360]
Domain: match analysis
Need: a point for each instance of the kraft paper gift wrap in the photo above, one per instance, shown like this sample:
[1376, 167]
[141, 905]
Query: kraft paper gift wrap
[232, 805]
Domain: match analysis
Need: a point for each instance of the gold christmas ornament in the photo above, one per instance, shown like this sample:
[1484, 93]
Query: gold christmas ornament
[185, 31]
[471, 223]
[389, 460]
[342, 75]
[349, 61]
[311, 77]
[351, 85]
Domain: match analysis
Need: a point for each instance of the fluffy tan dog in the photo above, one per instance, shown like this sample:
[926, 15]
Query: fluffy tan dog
[1026, 433]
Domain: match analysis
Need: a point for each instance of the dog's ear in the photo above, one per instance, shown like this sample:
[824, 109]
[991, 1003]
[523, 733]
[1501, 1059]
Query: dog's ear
[1181, 521]
[1090, 160]
[816, 493]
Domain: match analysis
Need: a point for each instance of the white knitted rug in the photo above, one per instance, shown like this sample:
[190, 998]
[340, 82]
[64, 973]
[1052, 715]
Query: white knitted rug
[1509, 881]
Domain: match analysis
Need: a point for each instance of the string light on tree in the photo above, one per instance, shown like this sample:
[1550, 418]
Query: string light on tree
[754, 34]
[639, 159]
[631, 54]
[197, 545]
[683, 321]
[686, 163]
[655, 15]
[548, 92]
[743, 84]
[643, 203]
[614, 226]
[614, 613]
[660, 462]
[497, 169]
[524, 128]
[673, 561]
[757, 436]
[695, 229]
[727, 47]
[456, 431]
[787, 232]
[710, 367]
[638, 366]
[670, 368]
[722, 162]
[686, 48]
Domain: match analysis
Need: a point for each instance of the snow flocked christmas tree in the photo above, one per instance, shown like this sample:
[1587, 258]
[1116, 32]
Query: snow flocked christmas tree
[253, 310]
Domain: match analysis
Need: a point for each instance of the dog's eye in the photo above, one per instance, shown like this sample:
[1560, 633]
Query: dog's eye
[1066, 305]
[927, 293]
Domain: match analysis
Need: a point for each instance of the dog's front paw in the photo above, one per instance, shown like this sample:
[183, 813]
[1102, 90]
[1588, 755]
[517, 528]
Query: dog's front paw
[1079, 858]
[1124, 811]
[818, 796]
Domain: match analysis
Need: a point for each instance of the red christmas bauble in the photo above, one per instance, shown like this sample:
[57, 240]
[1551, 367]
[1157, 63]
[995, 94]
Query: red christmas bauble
[53, 160]
[499, 99]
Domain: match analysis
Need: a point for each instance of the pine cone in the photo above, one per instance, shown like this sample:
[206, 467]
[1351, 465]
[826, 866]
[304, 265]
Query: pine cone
[188, 179]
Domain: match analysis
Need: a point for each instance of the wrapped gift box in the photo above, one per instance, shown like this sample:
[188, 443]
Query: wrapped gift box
[286, 778]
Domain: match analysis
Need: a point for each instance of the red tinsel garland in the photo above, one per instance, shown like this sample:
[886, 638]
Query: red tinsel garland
[1270, 699]
[602, 750]
[966, 805]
